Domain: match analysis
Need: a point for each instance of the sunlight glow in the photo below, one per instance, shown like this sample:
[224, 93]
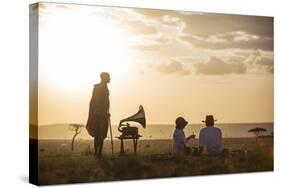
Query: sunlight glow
[74, 51]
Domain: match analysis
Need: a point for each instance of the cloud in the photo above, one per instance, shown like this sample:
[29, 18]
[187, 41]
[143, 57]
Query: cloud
[139, 27]
[128, 20]
[173, 67]
[205, 24]
[252, 57]
[266, 63]
[233, 43]
[230, 40]
[216, 66]
[170, 20]
[162, 39]
[148, 47]
[218, 31]
[219, 66]
[256, 61]
[225, 23]
[152, 13]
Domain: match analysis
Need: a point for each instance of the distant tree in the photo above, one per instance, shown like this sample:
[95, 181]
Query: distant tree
[257, 131]
[76, 128]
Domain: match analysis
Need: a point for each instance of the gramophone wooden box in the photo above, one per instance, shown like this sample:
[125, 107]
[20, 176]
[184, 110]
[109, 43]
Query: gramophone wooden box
[129, 93]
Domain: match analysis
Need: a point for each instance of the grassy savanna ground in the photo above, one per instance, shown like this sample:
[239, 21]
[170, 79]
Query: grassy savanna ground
[57, 165]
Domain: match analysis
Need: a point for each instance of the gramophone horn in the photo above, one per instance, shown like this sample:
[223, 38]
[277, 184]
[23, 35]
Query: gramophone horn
[138, 117]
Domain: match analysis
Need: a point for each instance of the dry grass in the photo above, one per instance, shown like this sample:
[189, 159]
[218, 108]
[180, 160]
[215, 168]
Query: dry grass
[61, 166]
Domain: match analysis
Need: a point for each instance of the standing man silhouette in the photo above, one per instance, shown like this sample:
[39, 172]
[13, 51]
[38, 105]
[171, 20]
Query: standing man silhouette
[98, 119]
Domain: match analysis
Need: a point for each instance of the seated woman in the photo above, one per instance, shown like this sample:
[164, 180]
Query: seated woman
[210, 138]
[179, 139]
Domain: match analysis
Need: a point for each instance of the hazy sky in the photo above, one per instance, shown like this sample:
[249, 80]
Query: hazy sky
[173, 63]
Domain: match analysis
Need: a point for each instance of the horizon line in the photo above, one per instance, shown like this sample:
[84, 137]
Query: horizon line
[265, 122]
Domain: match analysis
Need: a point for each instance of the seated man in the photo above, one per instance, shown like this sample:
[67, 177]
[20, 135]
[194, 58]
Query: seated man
[210, 137]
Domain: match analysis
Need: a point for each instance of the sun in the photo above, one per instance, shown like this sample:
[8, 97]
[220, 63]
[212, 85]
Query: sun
[75, 46]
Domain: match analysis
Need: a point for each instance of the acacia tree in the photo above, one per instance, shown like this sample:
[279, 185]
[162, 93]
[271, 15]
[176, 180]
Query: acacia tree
[257, 131]
[76, 128]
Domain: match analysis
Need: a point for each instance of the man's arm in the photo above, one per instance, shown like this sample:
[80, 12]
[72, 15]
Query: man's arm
[201, 142]
[220, 136]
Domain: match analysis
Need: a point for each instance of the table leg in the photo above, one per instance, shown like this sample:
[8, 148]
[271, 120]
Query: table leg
[135, 145]
[122, 147]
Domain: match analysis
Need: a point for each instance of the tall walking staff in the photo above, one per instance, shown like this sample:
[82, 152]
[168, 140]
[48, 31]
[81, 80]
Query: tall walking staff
[110, 129]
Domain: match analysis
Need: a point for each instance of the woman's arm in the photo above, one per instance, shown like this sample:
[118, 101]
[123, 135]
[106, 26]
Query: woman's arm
[190, 137]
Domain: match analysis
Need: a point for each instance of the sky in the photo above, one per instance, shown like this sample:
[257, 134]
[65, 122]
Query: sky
[174, 63]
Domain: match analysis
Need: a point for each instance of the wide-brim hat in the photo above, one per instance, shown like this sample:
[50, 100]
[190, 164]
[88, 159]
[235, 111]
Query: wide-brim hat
[209, 118]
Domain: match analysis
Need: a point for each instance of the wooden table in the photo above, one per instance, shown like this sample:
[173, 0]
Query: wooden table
[126, 137]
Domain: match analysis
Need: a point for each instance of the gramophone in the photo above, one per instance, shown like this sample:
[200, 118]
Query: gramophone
[129, 132]
[126, 129]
